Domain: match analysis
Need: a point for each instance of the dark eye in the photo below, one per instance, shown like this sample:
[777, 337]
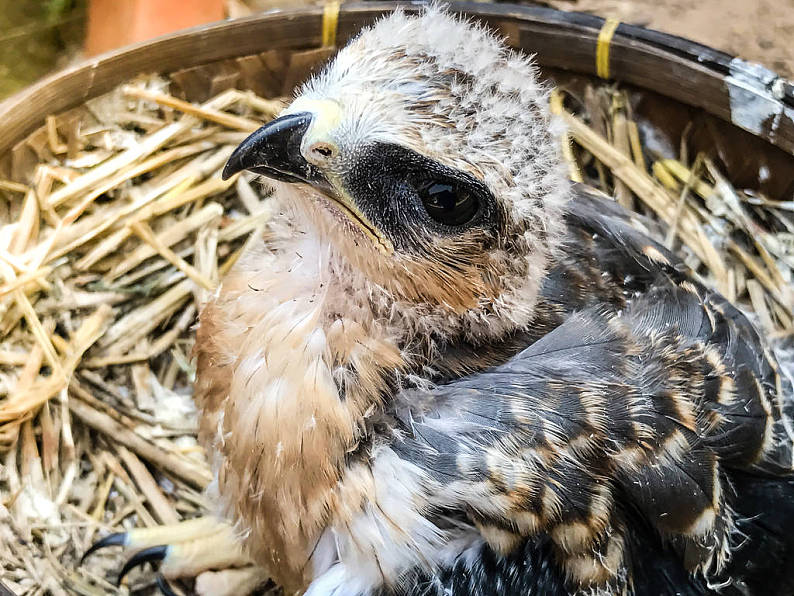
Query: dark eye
[447, 203]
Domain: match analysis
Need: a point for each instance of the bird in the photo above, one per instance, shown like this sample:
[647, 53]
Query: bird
[448, 370]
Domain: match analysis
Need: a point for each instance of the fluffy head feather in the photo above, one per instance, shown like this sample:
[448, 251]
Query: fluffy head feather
[449, 91]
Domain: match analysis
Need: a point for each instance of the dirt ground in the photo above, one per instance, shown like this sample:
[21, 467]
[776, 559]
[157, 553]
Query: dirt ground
[757, 30]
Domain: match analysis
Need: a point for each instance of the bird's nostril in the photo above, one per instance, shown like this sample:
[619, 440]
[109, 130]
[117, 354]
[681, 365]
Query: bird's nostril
[322, 150]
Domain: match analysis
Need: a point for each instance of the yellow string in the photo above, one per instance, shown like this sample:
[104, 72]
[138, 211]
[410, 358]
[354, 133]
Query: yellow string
[330, 22]
[602, 47]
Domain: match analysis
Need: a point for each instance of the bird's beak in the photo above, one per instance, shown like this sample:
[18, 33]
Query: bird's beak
[275, 151]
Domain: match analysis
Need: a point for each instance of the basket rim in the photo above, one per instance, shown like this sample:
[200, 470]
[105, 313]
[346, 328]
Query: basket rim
[744, 93]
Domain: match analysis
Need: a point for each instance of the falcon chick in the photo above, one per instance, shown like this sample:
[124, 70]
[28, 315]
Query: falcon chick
[449, 371]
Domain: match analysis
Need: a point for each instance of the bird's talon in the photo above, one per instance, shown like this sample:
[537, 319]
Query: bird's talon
[115, 539]
[153, 554]
[164, 586]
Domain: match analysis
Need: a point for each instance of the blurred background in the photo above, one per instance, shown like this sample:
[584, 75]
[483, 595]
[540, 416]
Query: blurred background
[39, 36]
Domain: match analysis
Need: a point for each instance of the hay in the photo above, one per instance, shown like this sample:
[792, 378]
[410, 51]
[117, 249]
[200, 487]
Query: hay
[126, 227]
[108, 254]
[737, 241]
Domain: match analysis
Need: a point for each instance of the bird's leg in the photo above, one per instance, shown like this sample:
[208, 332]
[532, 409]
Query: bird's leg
[231, 582]
[182, 550]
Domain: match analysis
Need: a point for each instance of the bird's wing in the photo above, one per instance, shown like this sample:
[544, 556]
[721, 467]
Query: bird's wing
[647, 411]
[610, 247]
[644, 269]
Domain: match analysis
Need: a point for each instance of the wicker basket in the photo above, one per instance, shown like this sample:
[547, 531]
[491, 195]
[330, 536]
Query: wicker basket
[739, 113]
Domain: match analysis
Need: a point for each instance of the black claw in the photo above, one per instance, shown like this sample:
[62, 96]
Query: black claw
[153, 554]
[164, 586]
[115, 539]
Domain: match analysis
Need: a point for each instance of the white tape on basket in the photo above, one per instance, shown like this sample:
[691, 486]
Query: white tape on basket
[755, 93]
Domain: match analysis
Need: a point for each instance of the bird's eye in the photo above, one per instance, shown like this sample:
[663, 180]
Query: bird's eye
[448, 203]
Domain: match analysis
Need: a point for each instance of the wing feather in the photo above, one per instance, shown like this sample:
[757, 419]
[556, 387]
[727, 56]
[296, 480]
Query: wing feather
[644, 405]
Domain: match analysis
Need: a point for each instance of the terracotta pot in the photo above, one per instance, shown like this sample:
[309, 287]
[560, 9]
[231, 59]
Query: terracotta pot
[115, 23]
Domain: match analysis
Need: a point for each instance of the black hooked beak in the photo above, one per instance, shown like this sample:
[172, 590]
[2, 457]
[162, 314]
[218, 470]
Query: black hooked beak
[275, 151]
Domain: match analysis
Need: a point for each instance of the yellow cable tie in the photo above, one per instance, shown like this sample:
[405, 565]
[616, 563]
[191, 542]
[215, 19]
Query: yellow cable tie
[330, 22]
[602, 47]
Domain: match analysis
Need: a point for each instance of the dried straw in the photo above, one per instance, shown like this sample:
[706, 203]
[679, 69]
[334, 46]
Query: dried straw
[111, 251]
[722, 231]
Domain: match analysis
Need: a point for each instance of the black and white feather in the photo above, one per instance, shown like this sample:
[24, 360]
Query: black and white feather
[449, 371]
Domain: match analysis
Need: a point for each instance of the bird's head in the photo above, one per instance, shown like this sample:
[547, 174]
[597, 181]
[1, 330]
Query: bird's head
[424, 152]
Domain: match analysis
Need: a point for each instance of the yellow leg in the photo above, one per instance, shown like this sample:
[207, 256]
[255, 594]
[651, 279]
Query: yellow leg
[230, 582]
[187, 549]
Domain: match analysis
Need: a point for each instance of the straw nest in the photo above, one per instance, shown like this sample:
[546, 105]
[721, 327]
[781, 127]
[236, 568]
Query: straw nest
[123, 229]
